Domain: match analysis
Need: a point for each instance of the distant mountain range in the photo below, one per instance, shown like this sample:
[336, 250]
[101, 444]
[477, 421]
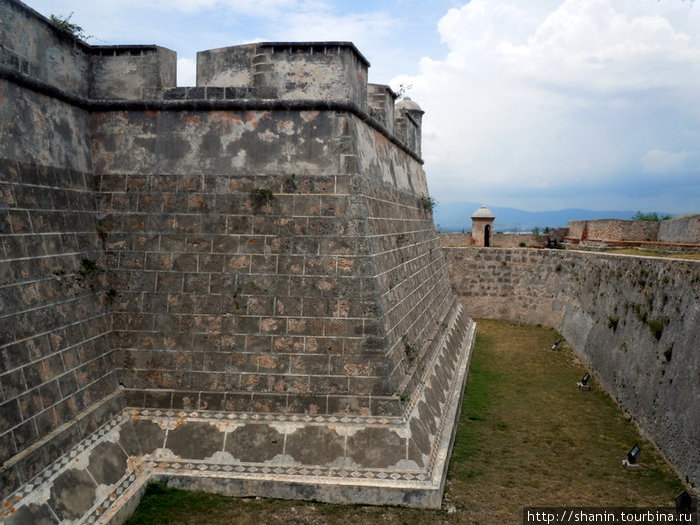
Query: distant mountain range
[456, 216]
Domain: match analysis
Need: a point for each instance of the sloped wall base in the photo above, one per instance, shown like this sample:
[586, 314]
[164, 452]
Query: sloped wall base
[353, 459]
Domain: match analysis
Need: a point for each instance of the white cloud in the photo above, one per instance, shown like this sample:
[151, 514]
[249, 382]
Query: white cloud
[556, 95]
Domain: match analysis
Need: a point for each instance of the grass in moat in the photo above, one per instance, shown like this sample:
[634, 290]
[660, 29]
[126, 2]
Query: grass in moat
[527, 437]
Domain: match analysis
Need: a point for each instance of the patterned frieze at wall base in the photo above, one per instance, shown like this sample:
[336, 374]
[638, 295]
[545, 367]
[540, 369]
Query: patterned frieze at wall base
[381, 460]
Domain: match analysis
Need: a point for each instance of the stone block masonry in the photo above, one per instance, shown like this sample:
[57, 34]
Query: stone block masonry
[634, 320]
[235, 286]
[681, 232]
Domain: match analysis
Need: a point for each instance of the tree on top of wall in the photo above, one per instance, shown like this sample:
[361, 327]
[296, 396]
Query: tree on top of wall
[67, 29]
[651, 216]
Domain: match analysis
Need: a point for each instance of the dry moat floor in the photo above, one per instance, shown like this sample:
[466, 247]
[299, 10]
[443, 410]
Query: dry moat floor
[527, 437]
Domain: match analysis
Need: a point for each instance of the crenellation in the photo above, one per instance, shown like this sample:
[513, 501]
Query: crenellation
[130, 72]
[381, 100]
[288, 71]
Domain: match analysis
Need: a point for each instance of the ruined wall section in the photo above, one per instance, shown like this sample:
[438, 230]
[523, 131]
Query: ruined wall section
[635, 321]
[684, 229]
[56, 365]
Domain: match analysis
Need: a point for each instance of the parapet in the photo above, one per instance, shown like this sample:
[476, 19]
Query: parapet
[330, 75]
[289, 70]
[380, 99]
[33, 46]
[129, 72]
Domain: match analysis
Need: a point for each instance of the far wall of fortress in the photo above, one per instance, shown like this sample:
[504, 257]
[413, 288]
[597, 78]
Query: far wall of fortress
[682, 232]
[635, 321]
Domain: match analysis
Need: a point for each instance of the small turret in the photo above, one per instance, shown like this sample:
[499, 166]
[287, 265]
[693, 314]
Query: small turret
[409, 122]
[482, 226]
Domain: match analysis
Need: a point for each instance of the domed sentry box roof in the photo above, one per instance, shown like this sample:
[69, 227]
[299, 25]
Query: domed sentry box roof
[483, 213]
[408, 105]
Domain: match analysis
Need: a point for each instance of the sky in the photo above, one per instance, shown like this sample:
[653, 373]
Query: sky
[539, 105]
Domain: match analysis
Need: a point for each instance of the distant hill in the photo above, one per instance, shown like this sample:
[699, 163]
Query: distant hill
[456, 216]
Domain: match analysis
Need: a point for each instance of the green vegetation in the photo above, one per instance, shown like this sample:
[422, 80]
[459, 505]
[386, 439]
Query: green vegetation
[427, 203]
[111, 295]
[289, 185]
[668, 353]
[411, 351]
[538, 232]
[260, 197]
[89, 268]
[656, 326]
[527, 437]
[376, 116]
[651, 216]
[67, 29]
[403, 90]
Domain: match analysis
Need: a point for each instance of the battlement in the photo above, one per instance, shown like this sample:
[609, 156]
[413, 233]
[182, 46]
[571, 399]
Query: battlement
[289, 70]
[33, 46]
[299, 72]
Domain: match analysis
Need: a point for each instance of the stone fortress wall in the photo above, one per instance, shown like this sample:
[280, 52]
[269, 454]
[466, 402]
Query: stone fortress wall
[499, 240]
[57, 360]
[235, 286]
[635, 321]
[682, 232]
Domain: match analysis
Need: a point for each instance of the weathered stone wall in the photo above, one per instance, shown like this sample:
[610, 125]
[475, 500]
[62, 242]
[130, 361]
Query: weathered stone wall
[613, 229]
[271, 302]
[56, 360]
[684, 229]
[223, 290]
[498, 240]
[288, 71]
[635, 321]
